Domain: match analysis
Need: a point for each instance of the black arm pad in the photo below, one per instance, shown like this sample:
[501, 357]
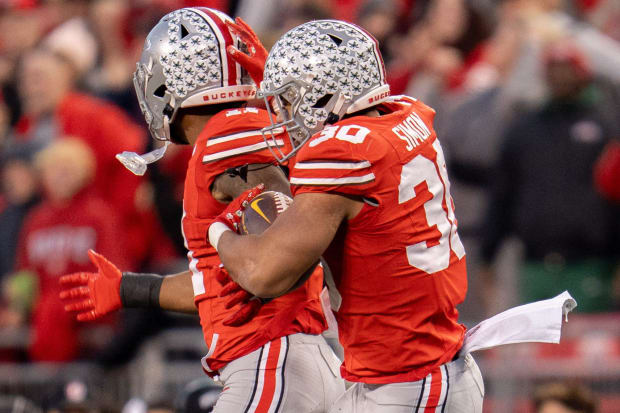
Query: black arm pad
[140, 290]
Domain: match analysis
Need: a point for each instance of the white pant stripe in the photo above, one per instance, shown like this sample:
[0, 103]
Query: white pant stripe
[256, 392]
[426, 383]
[444, 389]
[261, 378]
[278, 376]
[279, 390]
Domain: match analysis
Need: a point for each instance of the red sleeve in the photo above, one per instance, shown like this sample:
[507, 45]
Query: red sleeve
[607, 172]
[336, 160]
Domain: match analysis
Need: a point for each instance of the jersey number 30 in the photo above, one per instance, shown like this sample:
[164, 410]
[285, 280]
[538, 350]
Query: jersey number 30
[431, 259]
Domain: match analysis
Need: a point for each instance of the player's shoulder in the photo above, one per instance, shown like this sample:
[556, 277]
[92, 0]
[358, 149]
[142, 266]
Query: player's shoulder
[230, 138]
[356, 136]
[233, 121]
[232, 133]
[345, 141]
[407, 104]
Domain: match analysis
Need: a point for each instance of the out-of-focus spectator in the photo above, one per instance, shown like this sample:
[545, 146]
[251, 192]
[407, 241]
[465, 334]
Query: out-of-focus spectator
[55, 240]
[545, 22]
[272, 18]
[441, 48]
[380, 19]
[44, 79]
[80, 54]
[602, 14]
[544, 194]
[51, 107]
[120, 28]
[5, 122]
[20, 192]
[22, 24]
[607, 172]
[564, 398]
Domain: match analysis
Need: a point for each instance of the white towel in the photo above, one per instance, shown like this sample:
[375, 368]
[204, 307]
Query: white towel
[539, 322]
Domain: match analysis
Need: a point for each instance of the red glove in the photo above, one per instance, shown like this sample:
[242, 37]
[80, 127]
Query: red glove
[94, 294]
[231, 216]
[249, 303]
[254, 61]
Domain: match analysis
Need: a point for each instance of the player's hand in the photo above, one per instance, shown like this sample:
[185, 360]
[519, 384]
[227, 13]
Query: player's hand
[254, 60]
[92, 294]
[231, 216]
[237, 295]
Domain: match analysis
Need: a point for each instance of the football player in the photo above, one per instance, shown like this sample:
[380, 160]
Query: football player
[271, 357]
[372, 195]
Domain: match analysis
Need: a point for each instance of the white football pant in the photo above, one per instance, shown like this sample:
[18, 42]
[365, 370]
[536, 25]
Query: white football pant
[455, 387]
[298, 374]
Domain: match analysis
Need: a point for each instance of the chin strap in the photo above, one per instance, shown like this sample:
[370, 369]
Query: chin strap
[137, 163]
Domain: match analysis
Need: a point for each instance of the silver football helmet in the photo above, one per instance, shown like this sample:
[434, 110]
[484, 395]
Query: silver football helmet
[184, 63]
[315, 74]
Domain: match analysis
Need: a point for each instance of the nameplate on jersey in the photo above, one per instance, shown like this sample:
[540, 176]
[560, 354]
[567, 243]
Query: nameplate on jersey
[412, 130]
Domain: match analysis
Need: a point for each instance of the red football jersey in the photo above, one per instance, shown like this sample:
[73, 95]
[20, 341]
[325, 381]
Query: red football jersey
[399, 264]
[233, 138]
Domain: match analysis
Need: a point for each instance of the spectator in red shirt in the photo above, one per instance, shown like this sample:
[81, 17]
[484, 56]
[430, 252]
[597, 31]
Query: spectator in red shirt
[56, 237]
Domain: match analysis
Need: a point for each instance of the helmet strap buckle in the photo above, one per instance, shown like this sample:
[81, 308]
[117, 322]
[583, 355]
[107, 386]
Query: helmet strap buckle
[332, 118]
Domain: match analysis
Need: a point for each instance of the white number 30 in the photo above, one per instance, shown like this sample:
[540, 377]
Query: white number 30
[431, 259]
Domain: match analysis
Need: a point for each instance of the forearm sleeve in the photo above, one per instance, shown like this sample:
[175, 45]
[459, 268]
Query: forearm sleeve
[140, 290]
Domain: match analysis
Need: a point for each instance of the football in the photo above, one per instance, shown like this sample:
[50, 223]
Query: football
[261, 213]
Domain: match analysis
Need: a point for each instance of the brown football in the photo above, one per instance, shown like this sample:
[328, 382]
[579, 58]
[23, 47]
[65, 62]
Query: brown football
[261, 213]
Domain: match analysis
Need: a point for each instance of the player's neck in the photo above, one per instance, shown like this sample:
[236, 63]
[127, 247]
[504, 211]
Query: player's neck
[370, 112]
[193, 125]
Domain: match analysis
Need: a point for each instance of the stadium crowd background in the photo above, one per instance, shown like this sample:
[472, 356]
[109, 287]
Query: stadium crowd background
[527, 94]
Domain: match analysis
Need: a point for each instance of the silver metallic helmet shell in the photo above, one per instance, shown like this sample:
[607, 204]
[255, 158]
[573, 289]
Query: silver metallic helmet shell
[324, 69]
[184, 63]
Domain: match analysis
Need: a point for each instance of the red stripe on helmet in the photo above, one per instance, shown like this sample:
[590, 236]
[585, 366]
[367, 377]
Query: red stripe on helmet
[231, 65]
[377, 51]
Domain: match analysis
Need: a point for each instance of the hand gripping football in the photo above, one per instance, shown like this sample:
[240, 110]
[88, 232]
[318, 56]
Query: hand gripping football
[261, 213]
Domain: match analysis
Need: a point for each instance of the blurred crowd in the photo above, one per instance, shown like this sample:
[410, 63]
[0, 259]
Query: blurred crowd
[527, 94]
